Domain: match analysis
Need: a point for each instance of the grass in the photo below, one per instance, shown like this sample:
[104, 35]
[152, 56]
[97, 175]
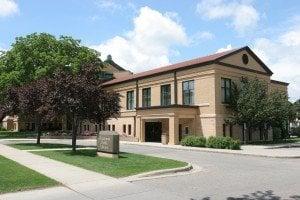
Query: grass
[128, 164]
[31, 146]
[12, 134]
[15, 177]
[284, 141]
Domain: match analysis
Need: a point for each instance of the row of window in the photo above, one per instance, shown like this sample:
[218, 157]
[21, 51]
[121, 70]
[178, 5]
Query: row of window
[187, 94]
[110, 127]
[165, 97]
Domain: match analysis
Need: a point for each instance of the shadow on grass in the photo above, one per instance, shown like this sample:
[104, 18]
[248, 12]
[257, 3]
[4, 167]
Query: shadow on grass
[258, 195]
[91, 153]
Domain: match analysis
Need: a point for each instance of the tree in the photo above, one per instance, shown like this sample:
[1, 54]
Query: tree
[248, 103]
[253, 106]
[297, 108]
[80, 97]
[41, 54]
[26, 101]
[31, 58]
[280, 111]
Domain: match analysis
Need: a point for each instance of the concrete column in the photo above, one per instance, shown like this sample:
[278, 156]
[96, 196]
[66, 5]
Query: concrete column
[173, 130]
[138, 128]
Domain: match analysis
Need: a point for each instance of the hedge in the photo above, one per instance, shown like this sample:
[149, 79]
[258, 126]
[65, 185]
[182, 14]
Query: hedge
[211, 142]
[222, 143]
[193, 141]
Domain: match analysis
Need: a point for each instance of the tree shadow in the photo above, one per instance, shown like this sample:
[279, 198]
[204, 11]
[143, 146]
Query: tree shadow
[258, 195]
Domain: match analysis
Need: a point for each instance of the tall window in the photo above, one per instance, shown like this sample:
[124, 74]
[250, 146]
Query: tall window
[130, 100]
[146, 97]
[124, 128]
[226, 90]
[188, 92]
[129, 129]
[165, 95]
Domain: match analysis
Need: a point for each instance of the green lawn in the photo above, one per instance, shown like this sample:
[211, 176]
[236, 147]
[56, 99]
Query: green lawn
[31, 146]
[11, 134]
[128, 164]
[15, 177]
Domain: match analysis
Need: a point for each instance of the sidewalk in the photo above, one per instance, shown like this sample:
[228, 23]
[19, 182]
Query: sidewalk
[64, 173]
[273, 151]
[80, 184]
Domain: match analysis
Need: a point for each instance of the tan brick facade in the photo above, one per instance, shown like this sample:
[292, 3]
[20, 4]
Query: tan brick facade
[205, 117]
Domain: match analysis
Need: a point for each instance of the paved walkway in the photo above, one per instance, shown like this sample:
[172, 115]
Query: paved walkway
[224, 176]
[78, 181]
[272, 150]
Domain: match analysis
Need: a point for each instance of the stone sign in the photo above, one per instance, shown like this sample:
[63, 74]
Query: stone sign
[108, 144]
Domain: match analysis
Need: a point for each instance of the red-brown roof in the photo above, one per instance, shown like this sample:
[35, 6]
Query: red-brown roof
[168, 68]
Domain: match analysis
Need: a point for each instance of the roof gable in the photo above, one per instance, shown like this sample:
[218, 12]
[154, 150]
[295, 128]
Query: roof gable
[201, 61]
[236, 59]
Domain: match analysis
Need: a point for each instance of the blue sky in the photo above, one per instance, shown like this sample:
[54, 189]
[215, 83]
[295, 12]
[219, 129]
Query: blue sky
[141, 35]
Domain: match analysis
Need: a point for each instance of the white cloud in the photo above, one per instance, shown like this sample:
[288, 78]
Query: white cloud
[8, 7]
[108, 4]
[282, 56]
[201, 37]
[242, 14]
[148, 44]
[227, 48]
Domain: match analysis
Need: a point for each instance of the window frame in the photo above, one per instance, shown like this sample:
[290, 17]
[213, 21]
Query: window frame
[226, 85]
[124, 128]
[130, 100]
[190, 92]
[165, 95]
[146, 97]
[129, 129]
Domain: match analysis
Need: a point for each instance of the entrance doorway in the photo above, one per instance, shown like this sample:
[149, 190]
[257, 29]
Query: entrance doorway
[153, 131]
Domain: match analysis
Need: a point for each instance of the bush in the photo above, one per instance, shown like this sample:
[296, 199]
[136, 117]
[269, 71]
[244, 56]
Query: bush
[295, 131]
[2, 129]
[193, 141]
[222, 143]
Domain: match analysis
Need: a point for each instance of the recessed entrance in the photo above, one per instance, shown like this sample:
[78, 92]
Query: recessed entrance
[153, 131]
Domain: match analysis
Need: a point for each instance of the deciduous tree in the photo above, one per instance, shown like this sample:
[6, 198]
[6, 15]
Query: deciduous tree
[80, 97]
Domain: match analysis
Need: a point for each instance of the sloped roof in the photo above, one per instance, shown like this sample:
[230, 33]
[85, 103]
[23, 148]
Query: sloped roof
[112, 63]
[182, 65]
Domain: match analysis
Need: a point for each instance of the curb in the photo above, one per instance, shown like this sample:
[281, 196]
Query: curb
[158, 173]
[232, 152]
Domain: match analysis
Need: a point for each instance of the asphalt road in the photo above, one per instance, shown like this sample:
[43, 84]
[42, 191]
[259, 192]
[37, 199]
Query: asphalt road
[223, 176]
[226, 176]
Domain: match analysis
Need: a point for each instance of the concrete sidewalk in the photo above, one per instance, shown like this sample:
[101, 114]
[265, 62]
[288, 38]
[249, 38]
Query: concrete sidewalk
[80, 184]
[273, 151]
[64, 173]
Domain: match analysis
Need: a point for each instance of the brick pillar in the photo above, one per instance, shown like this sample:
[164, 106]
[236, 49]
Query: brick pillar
[173, 130]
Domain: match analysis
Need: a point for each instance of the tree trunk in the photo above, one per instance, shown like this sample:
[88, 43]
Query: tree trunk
[38, 130]
[74, 133]
[249, 134]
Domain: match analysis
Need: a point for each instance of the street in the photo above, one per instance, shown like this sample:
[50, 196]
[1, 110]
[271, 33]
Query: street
[222, 176]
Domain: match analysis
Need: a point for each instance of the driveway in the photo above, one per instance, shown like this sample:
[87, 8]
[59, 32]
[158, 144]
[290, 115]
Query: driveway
[224, 176]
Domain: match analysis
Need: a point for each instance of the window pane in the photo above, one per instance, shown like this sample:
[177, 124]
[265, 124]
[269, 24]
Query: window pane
[165, 95]
[130, 100]
[188, 92]
[223, 94]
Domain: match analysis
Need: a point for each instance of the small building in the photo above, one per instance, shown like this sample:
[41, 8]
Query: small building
[187, 98]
